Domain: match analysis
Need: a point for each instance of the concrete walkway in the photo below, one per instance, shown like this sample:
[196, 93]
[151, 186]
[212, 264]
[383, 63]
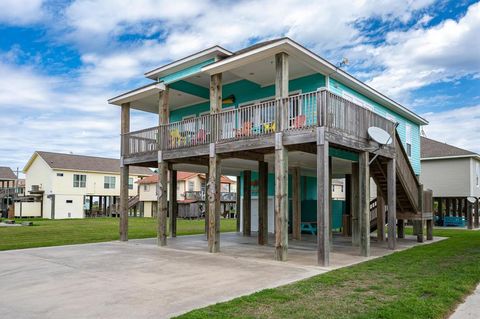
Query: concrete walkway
[140, 280]
[470, 309]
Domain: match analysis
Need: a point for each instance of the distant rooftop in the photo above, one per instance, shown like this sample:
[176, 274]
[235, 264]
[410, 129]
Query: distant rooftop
[86, 163]
[431, 149]
[7, 173]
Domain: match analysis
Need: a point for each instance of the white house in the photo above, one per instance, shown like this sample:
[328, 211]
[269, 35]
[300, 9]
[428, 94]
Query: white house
[74, 186]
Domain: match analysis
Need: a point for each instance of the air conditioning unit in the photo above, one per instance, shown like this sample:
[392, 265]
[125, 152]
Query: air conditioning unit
[35, 188]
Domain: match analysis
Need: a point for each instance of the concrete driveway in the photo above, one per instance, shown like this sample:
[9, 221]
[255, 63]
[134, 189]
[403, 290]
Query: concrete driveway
[129, 280]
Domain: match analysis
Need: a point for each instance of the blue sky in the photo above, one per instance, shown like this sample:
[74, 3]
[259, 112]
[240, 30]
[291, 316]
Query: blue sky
[61, 60]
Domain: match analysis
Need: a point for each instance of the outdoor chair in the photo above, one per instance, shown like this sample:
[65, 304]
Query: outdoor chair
[176, 138]
[245, 130]
[269, 127]
[299, 121]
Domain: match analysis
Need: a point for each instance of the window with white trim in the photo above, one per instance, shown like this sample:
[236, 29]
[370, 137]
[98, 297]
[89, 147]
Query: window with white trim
[478, 174]
[408, 138]
[191, 186]
[109, 182]
[130, 183]
[79, 180]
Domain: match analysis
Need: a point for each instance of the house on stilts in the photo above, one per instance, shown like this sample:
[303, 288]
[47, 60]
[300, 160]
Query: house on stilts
[286, 122]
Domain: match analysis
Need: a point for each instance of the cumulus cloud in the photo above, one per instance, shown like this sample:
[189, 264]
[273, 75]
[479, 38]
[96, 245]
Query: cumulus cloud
[21, 12]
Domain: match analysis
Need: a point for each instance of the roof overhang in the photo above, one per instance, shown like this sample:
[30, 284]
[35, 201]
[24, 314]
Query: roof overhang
[175, 66]
[315, 62]
[476, 156]
[137, 94]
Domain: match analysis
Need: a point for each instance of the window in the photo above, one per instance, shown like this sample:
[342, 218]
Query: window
[109, 182]
[130, 183]
[408, 134]
[79, 180]
[202, 187]
[191, 186]
[60, 174]
[478, 174]
[69, 201]
[146, 187]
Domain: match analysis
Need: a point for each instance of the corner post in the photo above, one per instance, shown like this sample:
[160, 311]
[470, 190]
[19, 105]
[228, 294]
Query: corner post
[281, 158]
[247, 203]
[380, 216]
[392, 205]
[355, 206]
[364, 213]
[237, 204]
[162, 200]
[262, 203]
[214, 201]
[124, 171]
[296, 203]
[323, 200]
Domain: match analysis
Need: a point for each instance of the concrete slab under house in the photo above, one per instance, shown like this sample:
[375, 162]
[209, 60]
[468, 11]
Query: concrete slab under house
[285, 122]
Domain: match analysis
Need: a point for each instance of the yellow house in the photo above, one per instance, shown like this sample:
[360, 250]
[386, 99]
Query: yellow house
[75, 186]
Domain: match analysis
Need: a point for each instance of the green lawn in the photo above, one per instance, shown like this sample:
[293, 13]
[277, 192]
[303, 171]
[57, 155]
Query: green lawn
[423, 282]
[79, 231]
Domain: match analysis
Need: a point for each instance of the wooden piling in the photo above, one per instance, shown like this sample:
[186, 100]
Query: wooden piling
[262, 203]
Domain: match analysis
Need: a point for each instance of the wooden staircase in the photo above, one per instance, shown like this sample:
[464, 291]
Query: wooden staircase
[409, 191]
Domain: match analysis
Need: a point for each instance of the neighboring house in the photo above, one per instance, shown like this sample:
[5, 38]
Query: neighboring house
[8, 190]
[453, 174]
[7, 177]
[190, 188]
[75, 186]
[285, 120]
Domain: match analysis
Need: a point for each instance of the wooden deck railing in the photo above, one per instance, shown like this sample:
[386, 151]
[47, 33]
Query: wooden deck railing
[302, 111]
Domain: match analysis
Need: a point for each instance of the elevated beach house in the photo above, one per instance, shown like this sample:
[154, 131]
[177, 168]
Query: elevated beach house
[286, 121]
[453, 174]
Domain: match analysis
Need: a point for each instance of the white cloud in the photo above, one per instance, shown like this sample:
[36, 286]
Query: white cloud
[458, 127]
[420, 57]
[21, 12]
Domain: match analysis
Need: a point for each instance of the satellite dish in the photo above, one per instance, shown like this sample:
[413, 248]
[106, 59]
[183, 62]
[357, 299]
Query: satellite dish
[379, 135]
[471, 199]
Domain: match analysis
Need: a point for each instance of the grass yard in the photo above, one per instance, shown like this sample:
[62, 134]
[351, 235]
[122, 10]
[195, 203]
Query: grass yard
[79, 231]
[423, 282]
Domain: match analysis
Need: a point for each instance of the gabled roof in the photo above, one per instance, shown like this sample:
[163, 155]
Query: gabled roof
[84, 163]
[431, 149]
[7, 173]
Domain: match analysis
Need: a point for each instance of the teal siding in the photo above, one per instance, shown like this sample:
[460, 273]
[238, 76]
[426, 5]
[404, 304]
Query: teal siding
[185, 72]
[246, 91]
[339, 88]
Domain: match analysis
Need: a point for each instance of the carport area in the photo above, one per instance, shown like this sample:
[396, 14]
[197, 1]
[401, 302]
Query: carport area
[138, 279]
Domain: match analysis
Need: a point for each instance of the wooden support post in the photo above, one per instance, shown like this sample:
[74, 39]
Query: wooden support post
[440, 208]
[173, 208]
[238, 205]
[421, 223]
[206, 202]
[281, 159]
[469, 208]
[214, 201]
[477, 217]
[323, 201]
[347, 227]
[355, 206]
[90, 206]
[262, 203]
[247, 203]
[330, 205]
[429, 229]
[296, 204]
[392, 205]
[162, 198]
[401, 228]
[364, 216]
[124, 172]
[380, 216]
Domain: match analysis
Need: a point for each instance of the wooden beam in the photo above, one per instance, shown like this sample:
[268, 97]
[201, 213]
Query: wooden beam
[238, 205]
[347, 227]
[323, 200]
[392, 204]
[247, 203]
[173, 208]
[124, 172]
[246, 155]
[380, 216]
[281, 87]
[163, 106]
[364, 194]
[355, 206]
[262, 203]
[216, 93]
[207, 204]
[214, 202]
[296, 204]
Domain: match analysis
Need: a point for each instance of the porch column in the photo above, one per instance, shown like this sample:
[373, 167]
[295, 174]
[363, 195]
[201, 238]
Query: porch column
[380, 216]
[440, 208]
[262, 203]
[214, 201]
[247, 203]
[420, 223]
[124, 172]
[237, 204]
[469, 214]
[281, 159]
[347, 224]
[207, 178]
[355, 206]
[296, 204]
[323, 200]
[400, 228]
[162, 201]
[477, 219]
[364, 194]
[392, 205]
[173, 208]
